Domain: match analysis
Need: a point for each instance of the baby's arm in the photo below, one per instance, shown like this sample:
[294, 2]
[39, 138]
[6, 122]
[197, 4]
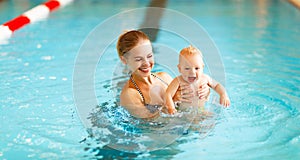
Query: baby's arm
[219, 88]
[224, 99]
[170, 92]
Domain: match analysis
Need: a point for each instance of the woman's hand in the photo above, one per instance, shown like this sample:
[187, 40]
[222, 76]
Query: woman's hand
[172, 110]
[203, 91]
[184, 93]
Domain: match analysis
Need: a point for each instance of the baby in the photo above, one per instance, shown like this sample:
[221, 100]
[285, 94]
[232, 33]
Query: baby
[191, 68]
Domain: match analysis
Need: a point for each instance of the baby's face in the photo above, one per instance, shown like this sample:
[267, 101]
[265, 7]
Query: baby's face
[191, 67]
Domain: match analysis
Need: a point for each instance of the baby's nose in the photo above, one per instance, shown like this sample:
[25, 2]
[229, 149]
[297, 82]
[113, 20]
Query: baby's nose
[193, 70]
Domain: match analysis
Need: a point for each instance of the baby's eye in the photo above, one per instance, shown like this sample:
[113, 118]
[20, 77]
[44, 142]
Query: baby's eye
[197, 68]
[186, 68]
[150, 56]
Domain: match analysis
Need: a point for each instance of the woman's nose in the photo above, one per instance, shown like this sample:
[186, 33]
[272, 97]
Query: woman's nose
[146, 62]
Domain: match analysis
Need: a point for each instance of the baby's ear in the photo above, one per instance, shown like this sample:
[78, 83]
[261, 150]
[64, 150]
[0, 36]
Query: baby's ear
[123, 59]
[179, 69]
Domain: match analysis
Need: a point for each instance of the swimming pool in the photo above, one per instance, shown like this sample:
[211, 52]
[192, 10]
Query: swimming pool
[258, 44]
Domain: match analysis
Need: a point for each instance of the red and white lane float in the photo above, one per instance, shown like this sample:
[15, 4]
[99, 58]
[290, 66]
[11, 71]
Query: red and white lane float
[35, 14]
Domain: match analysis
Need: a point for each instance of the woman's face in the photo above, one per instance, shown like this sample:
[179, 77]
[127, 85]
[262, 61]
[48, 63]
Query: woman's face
[140, 59]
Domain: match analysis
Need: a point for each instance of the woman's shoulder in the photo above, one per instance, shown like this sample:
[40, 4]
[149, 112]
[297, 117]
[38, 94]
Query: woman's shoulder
[128, 94]
[164, 76]
[127, 90]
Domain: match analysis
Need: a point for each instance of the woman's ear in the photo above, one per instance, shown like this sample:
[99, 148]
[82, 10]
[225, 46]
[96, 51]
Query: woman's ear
[123, 59]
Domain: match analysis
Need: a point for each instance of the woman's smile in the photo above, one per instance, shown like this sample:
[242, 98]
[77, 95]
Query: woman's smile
[145, 70]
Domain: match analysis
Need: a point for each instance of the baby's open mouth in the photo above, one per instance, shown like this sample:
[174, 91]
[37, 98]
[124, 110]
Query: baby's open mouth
[191, 79]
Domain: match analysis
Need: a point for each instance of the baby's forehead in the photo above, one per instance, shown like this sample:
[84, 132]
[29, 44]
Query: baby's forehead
[188, 56]
[191, 58]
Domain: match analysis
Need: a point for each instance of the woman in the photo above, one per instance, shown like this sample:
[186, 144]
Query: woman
[143, 94]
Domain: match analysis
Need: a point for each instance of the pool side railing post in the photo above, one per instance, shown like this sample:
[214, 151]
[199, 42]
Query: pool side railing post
[33, 15]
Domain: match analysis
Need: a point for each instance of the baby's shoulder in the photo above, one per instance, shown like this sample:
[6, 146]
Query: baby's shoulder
[205, 76]
[210, 81]
[179, 78]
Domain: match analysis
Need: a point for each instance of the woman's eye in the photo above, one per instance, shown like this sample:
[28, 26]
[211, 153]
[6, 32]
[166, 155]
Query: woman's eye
[138, 59]
[150, 56]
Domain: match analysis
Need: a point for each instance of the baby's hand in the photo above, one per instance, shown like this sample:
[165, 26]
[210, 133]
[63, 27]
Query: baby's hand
[172, 110]
[224, 100]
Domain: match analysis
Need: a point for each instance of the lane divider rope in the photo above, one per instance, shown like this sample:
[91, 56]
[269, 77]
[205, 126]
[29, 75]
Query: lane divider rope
[33, 15]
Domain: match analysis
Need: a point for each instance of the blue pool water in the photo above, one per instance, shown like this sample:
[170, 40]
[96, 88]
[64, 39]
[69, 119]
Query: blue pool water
[258, 44]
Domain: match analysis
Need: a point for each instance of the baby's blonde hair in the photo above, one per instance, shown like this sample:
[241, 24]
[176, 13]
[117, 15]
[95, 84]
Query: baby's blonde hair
[190, 50]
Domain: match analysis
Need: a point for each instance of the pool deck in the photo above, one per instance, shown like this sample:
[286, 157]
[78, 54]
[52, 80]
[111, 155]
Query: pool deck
[296, 3]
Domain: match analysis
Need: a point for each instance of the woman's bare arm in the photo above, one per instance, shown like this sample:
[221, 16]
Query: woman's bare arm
[131, 100]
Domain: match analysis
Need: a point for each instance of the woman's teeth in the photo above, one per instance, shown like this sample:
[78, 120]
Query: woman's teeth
[144, 69]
